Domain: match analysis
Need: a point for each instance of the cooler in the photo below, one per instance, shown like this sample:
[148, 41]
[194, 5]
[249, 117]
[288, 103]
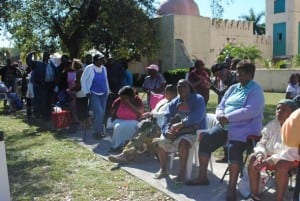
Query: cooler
[61, 119]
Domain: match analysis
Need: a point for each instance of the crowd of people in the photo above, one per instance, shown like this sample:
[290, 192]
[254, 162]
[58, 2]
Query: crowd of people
[105, 87]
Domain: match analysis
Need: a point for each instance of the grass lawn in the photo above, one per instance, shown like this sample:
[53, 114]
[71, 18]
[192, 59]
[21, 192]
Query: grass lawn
[44, 165]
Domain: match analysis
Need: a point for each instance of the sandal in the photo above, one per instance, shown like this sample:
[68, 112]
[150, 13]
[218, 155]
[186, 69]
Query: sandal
[160, 174]
[253, 198]
[179, 181]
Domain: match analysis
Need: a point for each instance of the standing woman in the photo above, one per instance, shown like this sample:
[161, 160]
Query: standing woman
[200, 80]
[95, 85]
[81, 101]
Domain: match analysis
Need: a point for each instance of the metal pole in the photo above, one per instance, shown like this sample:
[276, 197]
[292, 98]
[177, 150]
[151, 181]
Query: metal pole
[4, 190]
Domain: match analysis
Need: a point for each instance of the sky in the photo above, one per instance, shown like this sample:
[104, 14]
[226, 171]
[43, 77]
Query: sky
[235, 9]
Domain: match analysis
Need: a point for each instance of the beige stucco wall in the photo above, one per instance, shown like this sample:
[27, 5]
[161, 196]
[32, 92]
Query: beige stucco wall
[236, 32]
[166, 42]
[195, 32]
[185, 38]
[274, 80]
[203, 38]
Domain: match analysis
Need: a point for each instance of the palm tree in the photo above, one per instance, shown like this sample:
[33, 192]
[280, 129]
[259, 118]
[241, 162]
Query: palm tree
[258, 29]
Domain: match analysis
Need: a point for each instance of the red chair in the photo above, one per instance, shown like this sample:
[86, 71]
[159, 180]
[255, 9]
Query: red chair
[270, 171]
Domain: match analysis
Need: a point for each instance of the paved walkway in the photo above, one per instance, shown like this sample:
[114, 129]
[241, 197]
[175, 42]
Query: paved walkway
[145, 167]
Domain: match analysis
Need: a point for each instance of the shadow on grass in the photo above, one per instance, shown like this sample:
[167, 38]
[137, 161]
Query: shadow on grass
[43, 126]
[25, 183]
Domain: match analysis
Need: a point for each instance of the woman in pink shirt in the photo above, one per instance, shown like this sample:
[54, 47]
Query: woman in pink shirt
[125, 112]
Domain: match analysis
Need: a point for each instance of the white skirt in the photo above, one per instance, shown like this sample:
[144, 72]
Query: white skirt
[123, 130]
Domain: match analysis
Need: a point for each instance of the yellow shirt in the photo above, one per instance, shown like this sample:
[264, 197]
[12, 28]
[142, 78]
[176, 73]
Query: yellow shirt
[291, 130]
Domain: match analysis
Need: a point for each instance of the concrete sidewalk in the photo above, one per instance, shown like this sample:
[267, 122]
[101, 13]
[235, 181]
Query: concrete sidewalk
[145, 167]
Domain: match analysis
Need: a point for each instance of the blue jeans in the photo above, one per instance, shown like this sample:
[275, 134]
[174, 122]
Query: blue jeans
[216, 137]
[98, 105]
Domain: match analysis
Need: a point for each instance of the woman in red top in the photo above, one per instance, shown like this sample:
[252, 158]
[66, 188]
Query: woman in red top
[125, 112]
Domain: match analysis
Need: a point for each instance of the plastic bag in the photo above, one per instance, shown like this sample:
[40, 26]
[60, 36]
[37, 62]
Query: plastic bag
[264, 180]
[243, 184]
[154, 99]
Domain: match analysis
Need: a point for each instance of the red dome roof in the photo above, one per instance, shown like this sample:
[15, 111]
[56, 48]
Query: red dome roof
[179, 7]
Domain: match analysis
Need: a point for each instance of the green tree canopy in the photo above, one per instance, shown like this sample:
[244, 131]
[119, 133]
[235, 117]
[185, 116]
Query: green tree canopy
[217, 7]
[258, 28]
[117, 28]
[242, 52]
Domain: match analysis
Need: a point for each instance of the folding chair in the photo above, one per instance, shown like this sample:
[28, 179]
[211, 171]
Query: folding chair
[297, 185]
[251, 142]
[270, 171]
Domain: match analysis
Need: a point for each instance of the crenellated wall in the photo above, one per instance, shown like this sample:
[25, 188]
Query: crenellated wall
[231, 25]
[184, 38]
[236, 32]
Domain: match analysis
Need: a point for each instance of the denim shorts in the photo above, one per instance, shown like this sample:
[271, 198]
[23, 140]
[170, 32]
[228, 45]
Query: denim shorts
[235, 151]
[212, 139]
[216, 137]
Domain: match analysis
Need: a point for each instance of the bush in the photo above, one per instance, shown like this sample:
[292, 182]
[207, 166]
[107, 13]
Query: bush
[172, 76]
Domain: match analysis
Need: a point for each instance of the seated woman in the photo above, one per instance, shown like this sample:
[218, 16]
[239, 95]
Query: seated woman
[125, 112]
[149, 128]
[185, 114]
[266, 150]
[240, 114]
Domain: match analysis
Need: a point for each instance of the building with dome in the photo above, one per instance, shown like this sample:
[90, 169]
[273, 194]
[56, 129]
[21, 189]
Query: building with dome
[185, 35]
[179, 7]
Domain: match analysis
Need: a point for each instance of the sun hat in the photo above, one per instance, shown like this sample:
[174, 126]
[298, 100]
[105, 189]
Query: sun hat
[153, 67]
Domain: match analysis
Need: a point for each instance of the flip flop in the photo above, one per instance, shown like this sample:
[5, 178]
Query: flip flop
[160, 175]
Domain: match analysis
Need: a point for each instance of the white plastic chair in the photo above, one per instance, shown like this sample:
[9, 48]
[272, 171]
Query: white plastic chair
[193, 152]
[192, 158]
[3, 97]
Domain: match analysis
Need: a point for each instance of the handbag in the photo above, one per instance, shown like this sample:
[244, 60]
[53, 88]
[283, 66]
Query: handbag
[183, 131]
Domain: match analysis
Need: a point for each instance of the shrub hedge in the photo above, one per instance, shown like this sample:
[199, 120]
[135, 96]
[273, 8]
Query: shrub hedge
[171, 76]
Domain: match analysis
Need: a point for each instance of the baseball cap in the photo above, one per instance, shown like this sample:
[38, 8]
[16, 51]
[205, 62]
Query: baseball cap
[289, 102]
